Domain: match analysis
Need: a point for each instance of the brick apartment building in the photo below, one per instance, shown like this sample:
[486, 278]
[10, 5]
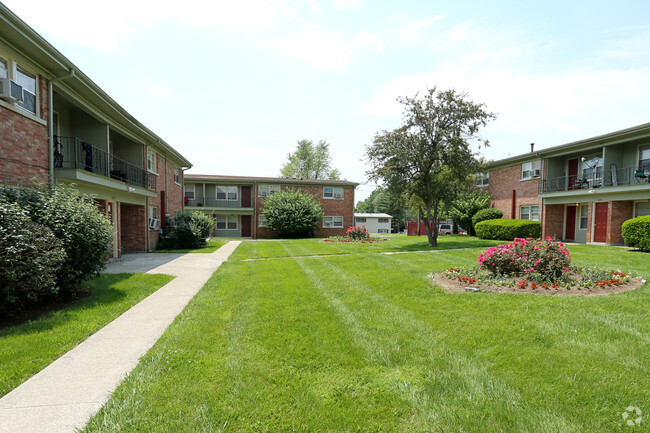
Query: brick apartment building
[237, 202]
[581, 191]
[57, 126]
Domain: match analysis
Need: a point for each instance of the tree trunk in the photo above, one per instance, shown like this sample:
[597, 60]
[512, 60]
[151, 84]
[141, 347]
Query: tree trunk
[432, 230]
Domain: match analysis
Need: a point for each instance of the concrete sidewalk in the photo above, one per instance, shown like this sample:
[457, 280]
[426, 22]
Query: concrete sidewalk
[65, 394]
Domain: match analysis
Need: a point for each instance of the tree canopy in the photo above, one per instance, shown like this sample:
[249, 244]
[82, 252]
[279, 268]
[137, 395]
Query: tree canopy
[429, 159]
[310, 161]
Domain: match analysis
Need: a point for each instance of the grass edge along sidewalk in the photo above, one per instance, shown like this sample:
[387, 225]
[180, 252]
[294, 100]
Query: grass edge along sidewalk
[366, 342]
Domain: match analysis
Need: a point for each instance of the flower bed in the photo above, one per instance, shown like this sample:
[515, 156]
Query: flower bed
[345, 239]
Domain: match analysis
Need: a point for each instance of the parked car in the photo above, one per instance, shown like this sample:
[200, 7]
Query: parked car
[462, 231]
[445, 229]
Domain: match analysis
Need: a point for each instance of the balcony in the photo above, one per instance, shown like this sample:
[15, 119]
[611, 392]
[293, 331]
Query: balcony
[214, 203]
[598, 179]
[71, 152]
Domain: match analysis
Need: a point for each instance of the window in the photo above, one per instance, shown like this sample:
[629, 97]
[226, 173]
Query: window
[331, 222]
[383, 231]
[267, 190]
[360, 219]
[482, 180]
[189, 192]
[530, 170]
[383, 220]
[153, 211]
[177, 176]
[641, 209]
[11, 69]
[226, 192]
[529, 213]
[644, 159]
[263, 221]
[335, 193]
[226, 222]
[584, 216]
[151, 161]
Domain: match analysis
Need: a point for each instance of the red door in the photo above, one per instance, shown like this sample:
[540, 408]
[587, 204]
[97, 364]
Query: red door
[600, 223]
[246, 197]
[570, 233]
[573, 173]
[246, 224]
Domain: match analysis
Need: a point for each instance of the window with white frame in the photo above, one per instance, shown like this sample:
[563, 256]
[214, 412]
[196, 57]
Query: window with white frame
[267, 190]
[529, 213]
[482, 180]
[189, 192]
[383, 220]
[584, 216]
[530, 170]
[262, 221]
[226, 222]
[331, 222]
[153, 211]
[152, 165]
[177, 176]
[24, 78]
[644, 159]
[334, 193]
[227, 192]
[641, 209]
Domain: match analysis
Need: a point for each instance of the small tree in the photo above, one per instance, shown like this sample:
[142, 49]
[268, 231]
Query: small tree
[465, 207]
[292, 213]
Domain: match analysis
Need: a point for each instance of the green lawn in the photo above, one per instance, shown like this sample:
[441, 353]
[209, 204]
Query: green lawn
[26, 349]
[365, 342]
[213, 245]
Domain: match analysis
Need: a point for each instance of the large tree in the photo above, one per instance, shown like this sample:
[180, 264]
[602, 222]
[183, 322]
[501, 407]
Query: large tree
[429, 158]
[310, 161]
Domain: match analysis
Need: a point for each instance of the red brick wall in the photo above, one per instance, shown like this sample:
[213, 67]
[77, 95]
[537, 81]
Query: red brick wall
[503, 181]
[617, 213]
[133, 224]
[24, 145]
[173, 192]
[553, 221]
[331, 207]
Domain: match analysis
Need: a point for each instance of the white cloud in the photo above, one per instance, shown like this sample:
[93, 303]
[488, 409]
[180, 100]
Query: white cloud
[414, 32]
[325, 50]
[347, 4]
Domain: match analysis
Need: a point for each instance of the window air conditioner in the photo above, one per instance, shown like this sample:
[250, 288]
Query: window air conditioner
[535, 173]
[154, 223]
[10, 91]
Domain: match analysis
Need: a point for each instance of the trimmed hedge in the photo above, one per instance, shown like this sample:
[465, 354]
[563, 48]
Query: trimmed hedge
[508, 229]
[487, 214]
[636, 233]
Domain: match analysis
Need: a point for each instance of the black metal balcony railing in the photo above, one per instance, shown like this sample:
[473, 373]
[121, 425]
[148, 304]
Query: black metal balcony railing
[71, 152]
[213, 202]
[600, 179]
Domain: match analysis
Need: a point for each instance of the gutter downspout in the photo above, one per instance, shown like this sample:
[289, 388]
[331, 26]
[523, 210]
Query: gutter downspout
[50, 122]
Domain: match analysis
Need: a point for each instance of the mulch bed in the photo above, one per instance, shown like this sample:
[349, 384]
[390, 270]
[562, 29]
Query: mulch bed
[454, 286]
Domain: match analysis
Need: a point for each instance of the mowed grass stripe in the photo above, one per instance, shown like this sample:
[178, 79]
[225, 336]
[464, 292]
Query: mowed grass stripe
[448, 387]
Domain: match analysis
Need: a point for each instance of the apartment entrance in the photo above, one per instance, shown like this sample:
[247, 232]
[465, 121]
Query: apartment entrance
[600, 223]
[246, 226]
[570, 231]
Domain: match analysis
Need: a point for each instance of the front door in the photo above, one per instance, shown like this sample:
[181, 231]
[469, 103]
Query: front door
[570, 233]
[246, 196]
[246, 226]
[600, 223]
[573, 174]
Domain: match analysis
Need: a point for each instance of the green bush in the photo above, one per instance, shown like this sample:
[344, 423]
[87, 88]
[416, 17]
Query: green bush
[84, 232]
[508, 229]
[487, 214]
[292, 213]
[636, 233]
[30, 256]
[189, 230]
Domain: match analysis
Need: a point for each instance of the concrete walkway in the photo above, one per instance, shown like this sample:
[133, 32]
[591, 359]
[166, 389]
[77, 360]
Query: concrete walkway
[64, 395]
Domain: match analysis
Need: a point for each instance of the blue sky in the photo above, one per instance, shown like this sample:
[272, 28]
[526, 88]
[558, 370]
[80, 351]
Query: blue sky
[233, 85]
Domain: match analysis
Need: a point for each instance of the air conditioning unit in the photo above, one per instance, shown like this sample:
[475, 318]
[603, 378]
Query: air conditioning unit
[535, 173]
[154, 223]
[10, 91]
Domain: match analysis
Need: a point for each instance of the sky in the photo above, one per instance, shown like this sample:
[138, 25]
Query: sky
[233, 85]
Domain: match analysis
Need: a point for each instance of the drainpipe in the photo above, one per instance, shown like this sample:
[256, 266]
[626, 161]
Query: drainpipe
[50, 122]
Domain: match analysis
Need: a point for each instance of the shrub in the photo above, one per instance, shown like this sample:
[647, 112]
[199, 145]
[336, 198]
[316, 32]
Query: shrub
[82, 230]
[545, 259]
[486, 214]
[189, 230]
[292, 213]
[636, 232]
[508, 229]
[465, 207]
[30, 256]
[358, 233]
